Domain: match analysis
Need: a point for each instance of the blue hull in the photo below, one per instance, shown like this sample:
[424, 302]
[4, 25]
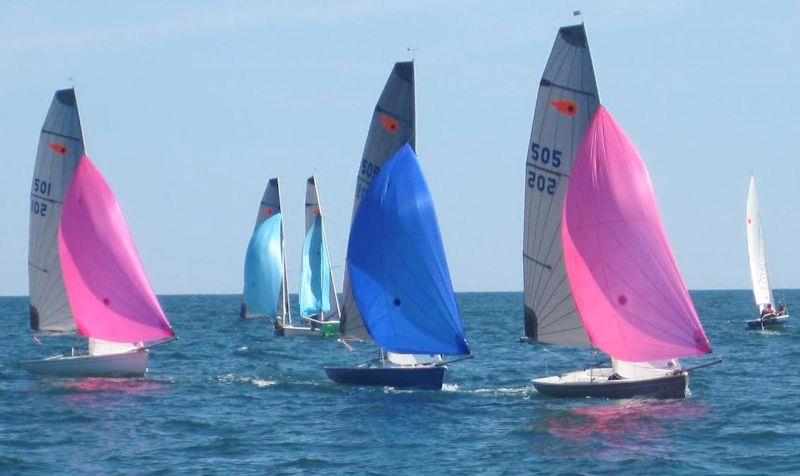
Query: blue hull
[422, 378]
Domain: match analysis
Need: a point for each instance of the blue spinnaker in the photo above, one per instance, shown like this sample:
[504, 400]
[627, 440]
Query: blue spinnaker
[315, 278]
[397, 265]
[263, 269]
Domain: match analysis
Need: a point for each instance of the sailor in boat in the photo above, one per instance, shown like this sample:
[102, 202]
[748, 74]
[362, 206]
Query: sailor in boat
[782, 309]
[767, 313]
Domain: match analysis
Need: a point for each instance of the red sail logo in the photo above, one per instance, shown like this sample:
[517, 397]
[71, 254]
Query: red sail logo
[389, 123]
[59, 149]
[268, 211]
[567, 108]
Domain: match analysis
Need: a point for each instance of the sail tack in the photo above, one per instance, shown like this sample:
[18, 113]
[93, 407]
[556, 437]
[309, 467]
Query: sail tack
[392, 126]
[566, 102]
[624, 277]
[397, 265]
[762, 292]
[60, 150]
[317, 292]
[107, 287]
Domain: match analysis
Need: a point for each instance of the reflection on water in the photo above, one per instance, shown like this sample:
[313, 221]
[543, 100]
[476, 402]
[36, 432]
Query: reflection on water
[622, 428]
[98, 393]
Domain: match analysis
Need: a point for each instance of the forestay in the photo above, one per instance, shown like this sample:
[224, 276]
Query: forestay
[755, 250]
[60, 150]
[566, 102]
[317, 293]
[624, 277]
[392, 126]
[107, 287]
[397, 265]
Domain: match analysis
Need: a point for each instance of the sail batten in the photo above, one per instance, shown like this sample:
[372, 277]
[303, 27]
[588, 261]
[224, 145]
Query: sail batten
[60, 150]
[756, 253]
[566, 102]
[393, 125]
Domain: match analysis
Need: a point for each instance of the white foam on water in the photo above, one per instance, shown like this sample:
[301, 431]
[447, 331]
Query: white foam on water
[450, 387]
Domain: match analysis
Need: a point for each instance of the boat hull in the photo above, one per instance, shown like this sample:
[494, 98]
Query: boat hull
[668, 386]
[128, 364]
[421, 377]
[777, 321]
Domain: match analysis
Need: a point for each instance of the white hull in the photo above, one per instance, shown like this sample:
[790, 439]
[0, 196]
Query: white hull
[128, 364]
[290, 330]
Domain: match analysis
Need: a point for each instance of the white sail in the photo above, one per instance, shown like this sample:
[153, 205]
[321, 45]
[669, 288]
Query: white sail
[60, 149]
[755, 250]
[392, 126]
[566, 102]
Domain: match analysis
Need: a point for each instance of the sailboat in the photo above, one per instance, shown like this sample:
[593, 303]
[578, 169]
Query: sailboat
[265, 288]
[397, 288]
[598, 268]
[84, 273]
[319, 303]
[762, 292]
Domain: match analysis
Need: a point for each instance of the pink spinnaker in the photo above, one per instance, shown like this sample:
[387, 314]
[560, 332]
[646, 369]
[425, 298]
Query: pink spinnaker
[626, 283]
[110, 295]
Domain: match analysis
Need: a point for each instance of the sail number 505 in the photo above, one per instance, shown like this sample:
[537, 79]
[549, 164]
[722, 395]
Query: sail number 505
[541, 183]
[545, 155]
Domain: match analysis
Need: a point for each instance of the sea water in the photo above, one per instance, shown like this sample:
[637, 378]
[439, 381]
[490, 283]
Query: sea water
[231, 398]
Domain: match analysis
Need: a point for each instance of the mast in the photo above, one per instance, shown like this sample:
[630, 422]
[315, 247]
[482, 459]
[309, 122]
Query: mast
[287, 311]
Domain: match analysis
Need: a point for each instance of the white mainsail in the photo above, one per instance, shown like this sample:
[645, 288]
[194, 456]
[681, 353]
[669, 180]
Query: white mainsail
[392, 126]
[60, 149]
[566, 102]
[755, 250]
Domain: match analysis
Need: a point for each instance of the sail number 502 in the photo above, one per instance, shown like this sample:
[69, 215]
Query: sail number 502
[541, 183]
[545, 155]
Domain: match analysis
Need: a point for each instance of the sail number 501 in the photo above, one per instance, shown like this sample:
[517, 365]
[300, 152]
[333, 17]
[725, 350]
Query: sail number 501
[545, 155]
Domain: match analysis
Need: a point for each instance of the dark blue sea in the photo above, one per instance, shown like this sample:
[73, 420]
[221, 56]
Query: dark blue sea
[231, 398]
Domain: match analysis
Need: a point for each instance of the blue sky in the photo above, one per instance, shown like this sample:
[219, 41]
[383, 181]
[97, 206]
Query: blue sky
[189, 108]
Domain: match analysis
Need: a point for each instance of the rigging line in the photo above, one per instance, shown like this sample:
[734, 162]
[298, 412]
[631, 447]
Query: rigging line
[539, 167]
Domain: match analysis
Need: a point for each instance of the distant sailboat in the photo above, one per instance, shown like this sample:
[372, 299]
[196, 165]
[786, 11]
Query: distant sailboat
[401, 283]
[762, 291]
[84, 272]
[319, 303]
[397, 288]
[598, 269]
[265, 288]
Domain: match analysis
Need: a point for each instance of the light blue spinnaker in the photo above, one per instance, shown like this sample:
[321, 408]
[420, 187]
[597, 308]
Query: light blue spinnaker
[263, 269]
[314, 275]
[397, 265]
